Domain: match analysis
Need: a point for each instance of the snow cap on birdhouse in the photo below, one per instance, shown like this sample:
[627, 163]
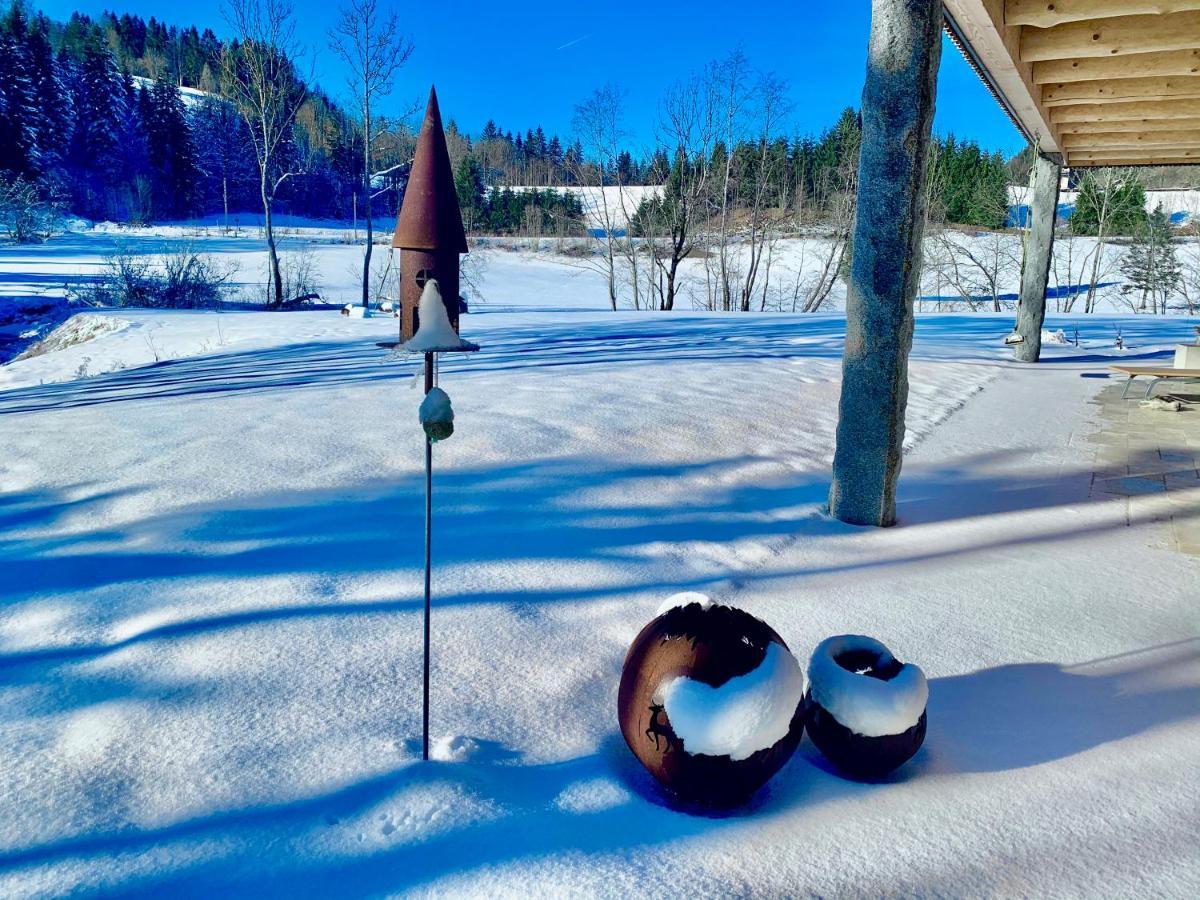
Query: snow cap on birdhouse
[429, 216]
[436, 334]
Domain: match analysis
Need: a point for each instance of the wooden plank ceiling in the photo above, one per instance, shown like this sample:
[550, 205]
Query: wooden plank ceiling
[1103, 82]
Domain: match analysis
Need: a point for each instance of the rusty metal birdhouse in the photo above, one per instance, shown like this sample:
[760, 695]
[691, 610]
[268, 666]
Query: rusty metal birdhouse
[429, 232]
[430, 237]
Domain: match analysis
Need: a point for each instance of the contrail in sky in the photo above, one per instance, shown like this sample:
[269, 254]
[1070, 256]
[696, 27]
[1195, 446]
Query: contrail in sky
[572, 43]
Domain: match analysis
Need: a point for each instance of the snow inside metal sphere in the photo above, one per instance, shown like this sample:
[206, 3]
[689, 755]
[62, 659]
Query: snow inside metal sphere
[866, 709]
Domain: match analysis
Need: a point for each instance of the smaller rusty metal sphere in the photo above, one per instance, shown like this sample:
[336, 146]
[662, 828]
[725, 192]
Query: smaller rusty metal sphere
[861, 756]
[709, 644]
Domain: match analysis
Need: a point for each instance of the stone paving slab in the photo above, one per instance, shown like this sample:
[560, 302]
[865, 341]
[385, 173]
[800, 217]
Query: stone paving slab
[1150, 459]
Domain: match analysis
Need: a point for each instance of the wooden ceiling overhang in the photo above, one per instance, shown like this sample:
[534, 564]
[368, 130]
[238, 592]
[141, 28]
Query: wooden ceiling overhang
[1099, 82]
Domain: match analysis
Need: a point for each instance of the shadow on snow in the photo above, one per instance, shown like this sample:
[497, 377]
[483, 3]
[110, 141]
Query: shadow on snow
[998, 719]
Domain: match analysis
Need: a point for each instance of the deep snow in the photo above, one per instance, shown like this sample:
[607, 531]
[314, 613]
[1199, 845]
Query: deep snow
[210, 588]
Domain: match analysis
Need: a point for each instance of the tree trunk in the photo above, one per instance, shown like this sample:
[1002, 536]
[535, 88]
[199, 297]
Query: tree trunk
[366, 283]
[1039, 250]
[669, 303]
[272, 252]
[612, 276]
[897, 113]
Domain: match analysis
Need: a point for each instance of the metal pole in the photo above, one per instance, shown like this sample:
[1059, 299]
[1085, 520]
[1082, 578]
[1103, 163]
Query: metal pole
[428, 535]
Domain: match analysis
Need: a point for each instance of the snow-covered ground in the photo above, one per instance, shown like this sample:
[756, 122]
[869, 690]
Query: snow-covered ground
[544, 273]
[210, 583]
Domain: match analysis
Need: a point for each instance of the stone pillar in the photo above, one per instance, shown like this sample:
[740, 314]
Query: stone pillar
[1039, 249]
[897, 114]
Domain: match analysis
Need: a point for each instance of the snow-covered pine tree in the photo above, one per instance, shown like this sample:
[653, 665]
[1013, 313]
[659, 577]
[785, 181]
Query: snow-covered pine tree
[225, 158]
[137, 176]
[96, 150]
[1150, 266]
[171, 156]
[53, 121]
[18, 137]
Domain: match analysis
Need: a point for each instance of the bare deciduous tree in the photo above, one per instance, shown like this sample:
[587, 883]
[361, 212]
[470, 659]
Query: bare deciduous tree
[1078, 262]
[1190, 258]
[24, 215]
[728, 80]
[842, 206]
[688, 126]
[368, 39]
[759, 177]
[597, 124]
[1105, 181]
[977, 266]
[260, 77]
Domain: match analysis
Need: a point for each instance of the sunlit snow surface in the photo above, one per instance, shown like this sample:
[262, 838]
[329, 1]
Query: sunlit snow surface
[210, 594]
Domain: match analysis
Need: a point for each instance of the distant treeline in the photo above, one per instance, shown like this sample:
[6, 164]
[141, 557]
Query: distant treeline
[804, 174]
[534, 211]
[809, 177]
[94, 119]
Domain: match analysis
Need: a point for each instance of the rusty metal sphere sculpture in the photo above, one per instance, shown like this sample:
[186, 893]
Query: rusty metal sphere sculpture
[866, 709]
[711, 701]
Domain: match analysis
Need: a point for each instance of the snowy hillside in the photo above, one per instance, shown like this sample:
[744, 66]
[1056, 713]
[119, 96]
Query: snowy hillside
[211, 558]
[189, 95]
[1180, 205]
[607, 207]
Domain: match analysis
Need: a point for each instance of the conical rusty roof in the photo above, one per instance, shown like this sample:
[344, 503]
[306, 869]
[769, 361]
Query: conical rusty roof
[429, 216]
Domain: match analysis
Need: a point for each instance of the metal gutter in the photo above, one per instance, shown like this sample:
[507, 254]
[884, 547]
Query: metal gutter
[968, 53]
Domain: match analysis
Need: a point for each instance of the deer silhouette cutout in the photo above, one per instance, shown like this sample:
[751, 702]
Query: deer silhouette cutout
[660, 729]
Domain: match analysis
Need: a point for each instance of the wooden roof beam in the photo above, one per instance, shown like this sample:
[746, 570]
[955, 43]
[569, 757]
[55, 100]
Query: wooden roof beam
[1138, 126]
[1178, 140]
[1131, 65]
[1086, 160]
[1149, 152]
[1127, 110]
[1111, 37]
[1047, 13]
[1073, 92]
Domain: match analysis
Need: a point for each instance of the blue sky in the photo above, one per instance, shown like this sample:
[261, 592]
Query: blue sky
[525, 64]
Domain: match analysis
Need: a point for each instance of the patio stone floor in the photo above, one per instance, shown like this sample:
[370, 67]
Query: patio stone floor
[1150, 460]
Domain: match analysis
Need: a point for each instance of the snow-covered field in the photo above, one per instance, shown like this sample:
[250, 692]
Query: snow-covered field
[210, 583]
[546, 273]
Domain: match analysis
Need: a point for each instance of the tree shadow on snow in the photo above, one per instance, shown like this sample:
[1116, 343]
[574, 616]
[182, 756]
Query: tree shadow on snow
[517, 347]
[998, 719]
[324, 532]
